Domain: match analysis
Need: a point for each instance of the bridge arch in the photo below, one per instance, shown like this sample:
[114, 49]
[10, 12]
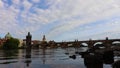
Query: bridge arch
[84, 44]
[116, 43]
[98, 43]
[70, 44]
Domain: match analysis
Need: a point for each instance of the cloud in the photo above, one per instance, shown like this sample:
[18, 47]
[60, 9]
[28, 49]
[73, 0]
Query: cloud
[35, 1]
[1, 4]
[16, 1]
[64, 17]
[89, 12]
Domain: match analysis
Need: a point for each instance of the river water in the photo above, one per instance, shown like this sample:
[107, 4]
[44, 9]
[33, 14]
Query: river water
[42, 58]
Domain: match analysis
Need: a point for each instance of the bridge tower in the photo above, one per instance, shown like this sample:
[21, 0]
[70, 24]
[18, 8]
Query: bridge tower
[28, 40]
[44, 43]
[44, 38]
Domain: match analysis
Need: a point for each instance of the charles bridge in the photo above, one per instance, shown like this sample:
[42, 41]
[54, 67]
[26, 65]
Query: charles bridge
[90, 43]
[92, 57]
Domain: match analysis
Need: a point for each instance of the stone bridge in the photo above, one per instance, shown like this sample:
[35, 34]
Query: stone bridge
[107, 42]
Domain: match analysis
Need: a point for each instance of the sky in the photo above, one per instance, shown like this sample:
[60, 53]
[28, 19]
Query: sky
[60, 20]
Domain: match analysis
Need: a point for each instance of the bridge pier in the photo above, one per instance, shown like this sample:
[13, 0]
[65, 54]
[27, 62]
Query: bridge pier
[107, 43]
[90, 43]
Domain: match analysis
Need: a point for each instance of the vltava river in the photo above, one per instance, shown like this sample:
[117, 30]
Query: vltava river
[41, 58]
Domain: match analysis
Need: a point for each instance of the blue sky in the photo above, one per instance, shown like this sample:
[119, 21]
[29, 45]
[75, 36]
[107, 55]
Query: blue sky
[60, 20]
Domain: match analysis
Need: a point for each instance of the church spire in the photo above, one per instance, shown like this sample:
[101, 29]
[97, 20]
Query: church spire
[44, 39]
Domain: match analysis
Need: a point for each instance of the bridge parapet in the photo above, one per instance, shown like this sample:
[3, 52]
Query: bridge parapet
[106, 42]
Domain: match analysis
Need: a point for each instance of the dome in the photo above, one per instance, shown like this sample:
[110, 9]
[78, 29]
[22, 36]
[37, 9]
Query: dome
[8, 36]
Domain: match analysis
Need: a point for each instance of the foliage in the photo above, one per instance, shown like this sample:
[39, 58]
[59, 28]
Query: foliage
[11, 43]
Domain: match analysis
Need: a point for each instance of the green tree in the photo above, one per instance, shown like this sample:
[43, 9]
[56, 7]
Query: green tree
[11, 43]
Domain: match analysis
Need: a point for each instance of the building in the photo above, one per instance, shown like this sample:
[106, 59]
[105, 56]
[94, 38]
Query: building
[8, 36]
[35, 42]
[44, 42]
[2, 41]
[44, 38]
[21, 43]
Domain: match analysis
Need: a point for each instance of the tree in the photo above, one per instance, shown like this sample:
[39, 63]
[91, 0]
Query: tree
[11, 43]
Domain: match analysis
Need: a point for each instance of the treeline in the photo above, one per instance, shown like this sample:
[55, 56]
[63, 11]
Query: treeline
[11, 43]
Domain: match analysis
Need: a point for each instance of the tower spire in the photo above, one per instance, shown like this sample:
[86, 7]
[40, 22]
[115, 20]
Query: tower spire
[28, 39]
[44, 38]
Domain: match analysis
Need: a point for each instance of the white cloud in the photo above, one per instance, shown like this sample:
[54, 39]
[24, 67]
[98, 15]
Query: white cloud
[1, 4]
[69, 14]
[27, 5]
[16, 2]
[35, 1]
[89, 11]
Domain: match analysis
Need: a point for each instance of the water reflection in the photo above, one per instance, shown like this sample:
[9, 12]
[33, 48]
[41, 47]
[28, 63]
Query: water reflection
[8, 62]
[8, 55]
[28, 57]
[44, 58]
[44, 55]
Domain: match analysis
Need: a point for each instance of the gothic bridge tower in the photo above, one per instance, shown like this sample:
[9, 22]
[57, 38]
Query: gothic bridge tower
[28, 40]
